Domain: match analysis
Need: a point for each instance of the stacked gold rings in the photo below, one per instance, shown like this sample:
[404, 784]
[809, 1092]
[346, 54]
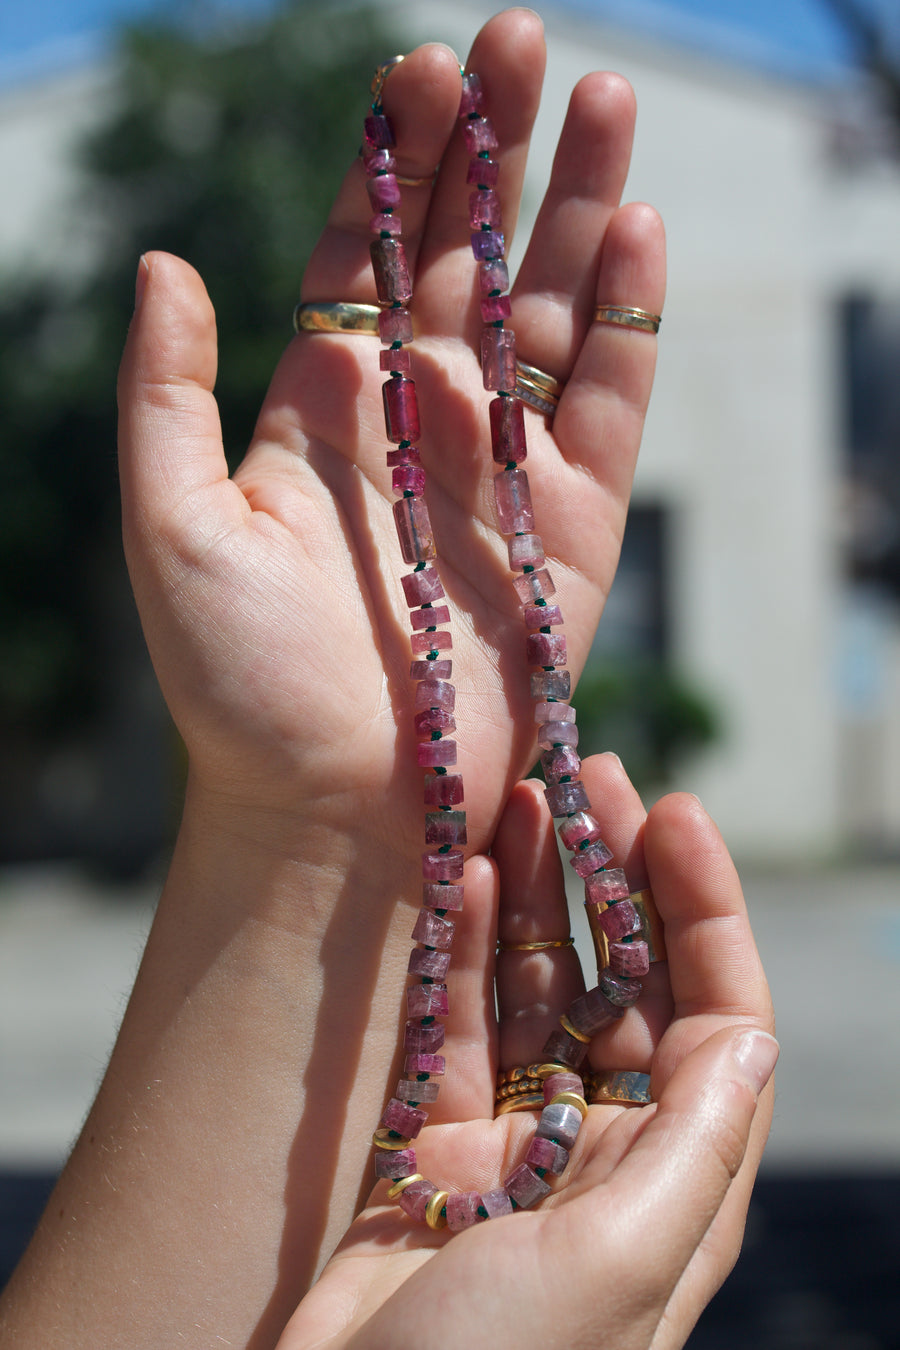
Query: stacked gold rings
[538, 389]
[628, 316]
[521, 1088]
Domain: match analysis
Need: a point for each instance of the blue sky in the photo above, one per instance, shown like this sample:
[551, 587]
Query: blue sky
[794, 37]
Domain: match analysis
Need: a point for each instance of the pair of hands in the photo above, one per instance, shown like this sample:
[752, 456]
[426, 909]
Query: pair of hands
[273, 612]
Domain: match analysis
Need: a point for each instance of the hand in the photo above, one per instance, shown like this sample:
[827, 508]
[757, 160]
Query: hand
[647, 1219]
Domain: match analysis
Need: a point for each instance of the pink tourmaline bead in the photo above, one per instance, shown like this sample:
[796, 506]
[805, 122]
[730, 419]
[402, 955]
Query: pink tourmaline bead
[408, 478]
[472, 95]
[435, 694]
[443, 866]
[512, 496]
[484, 209]
[495, 308]
[577, 828]
[545, 649]
[619, 920]
[395, 325]
[562, 1082]
[443, 789]
[498, 359]
[619, 989]
[551, 684]
[592, 1011]
[401, 409]
[560, 762]
[629, 958]
[427, 618]
[561, 1048]
[462, 1210]
[493, 275]
[434, 965]
[531, 586]
[526, 550]
[433, 719]
[542, 616]
[483, 172]
[560, 1123]
[436, 754]
[378, 161]
[557, 733]
[395, 1164]
[525, 1186]
[396, 360]
[427, 1000]
[430, 670]
[445, 827]
[419, 1040]
[480, 135]
[430, 642]
[384, 192]
[436, 896]
[553, 712]
[496, 1202]
[390, 271]
[414, 1200]
[403, 454]
[433, 931]
[564, 798]
[606, 887]
[590, 859]
[507, 430]
[435, 1064]
[403, 1118]
[414, 529]
[385, 223]
[487, 244]
[548, 1156]
[412, 1090]
[378, 132]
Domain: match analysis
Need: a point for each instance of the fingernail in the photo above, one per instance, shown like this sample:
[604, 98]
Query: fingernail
[611, 754]
[140, 281]
[757, 1054]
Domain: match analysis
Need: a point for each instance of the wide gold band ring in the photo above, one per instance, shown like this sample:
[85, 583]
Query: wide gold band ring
[627, 316]
[335, 316]
[538, 389]
[618, 1087]
[651, 930]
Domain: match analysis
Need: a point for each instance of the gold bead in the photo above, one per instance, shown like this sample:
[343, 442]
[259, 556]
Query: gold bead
[433, 1216]
[382, 1139]
[400, 1186]
[570, 1099]
[548, 1070]
[578, 1035]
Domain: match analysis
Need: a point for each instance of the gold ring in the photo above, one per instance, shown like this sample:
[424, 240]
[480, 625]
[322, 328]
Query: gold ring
[428, 181]
[620, 1087]
[530, 1101]
[381, 75]
[627, 316]
[538, 389]
[651, 930]
[534, 946]
[335, 316]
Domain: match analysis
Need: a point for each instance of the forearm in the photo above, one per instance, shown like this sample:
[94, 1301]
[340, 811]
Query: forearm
[228, 1145]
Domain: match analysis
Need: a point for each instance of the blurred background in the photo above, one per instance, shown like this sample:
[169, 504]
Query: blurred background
[751, 647]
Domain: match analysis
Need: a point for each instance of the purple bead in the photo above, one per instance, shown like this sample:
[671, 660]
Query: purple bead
[605, 887]
[619, 920]
[472, 95]
[408, 478]
[483, 173]
[618, 989]
[414, 529]
[557, 733]
[390, 270]
[577, 828]
[436, 754]
[419, 1040]
[507, 430]
[394, 1164]
[427, 1000]
[484, 209]
[488, 244]
[396, 360]
[401, 409]
[498, 358]
[560, 1123]
[427, 618]
[433, 931]
[445, 827]
[592, 1011]
[515, 513]
[435, 1064]
[561, 1048]
[560, 762]
[443, 866]
[527, 550]
[496, 308]
[542, 616]
[548, 1156]
[562, 1082]
[424, 963]
[403, 1118]
[629, 958]
[496, 1202]
[462, 1210]
[414, 1199]
[546, 649]
[379, 132]
[378, 161]
[532, 586]
[430, 670]
[551, 684]
[553, 712]
[385, 223]
[384, 192]
[480, 135]
[430, 642]
[395, 325]
[436, 896]
[564, 798]
[435, 694]
[403, 454]
[591, 859]
[412, 1090]
[433, 719]
[525, 1186]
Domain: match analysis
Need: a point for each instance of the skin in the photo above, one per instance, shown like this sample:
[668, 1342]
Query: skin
[228, 1149]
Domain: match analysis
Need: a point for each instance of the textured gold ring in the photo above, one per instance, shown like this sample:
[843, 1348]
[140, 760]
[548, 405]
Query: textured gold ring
[538, 389]
[628, 316]
[535, 946]
[335, 316]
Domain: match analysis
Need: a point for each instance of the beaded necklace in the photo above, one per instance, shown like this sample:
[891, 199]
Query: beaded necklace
[611, 913]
